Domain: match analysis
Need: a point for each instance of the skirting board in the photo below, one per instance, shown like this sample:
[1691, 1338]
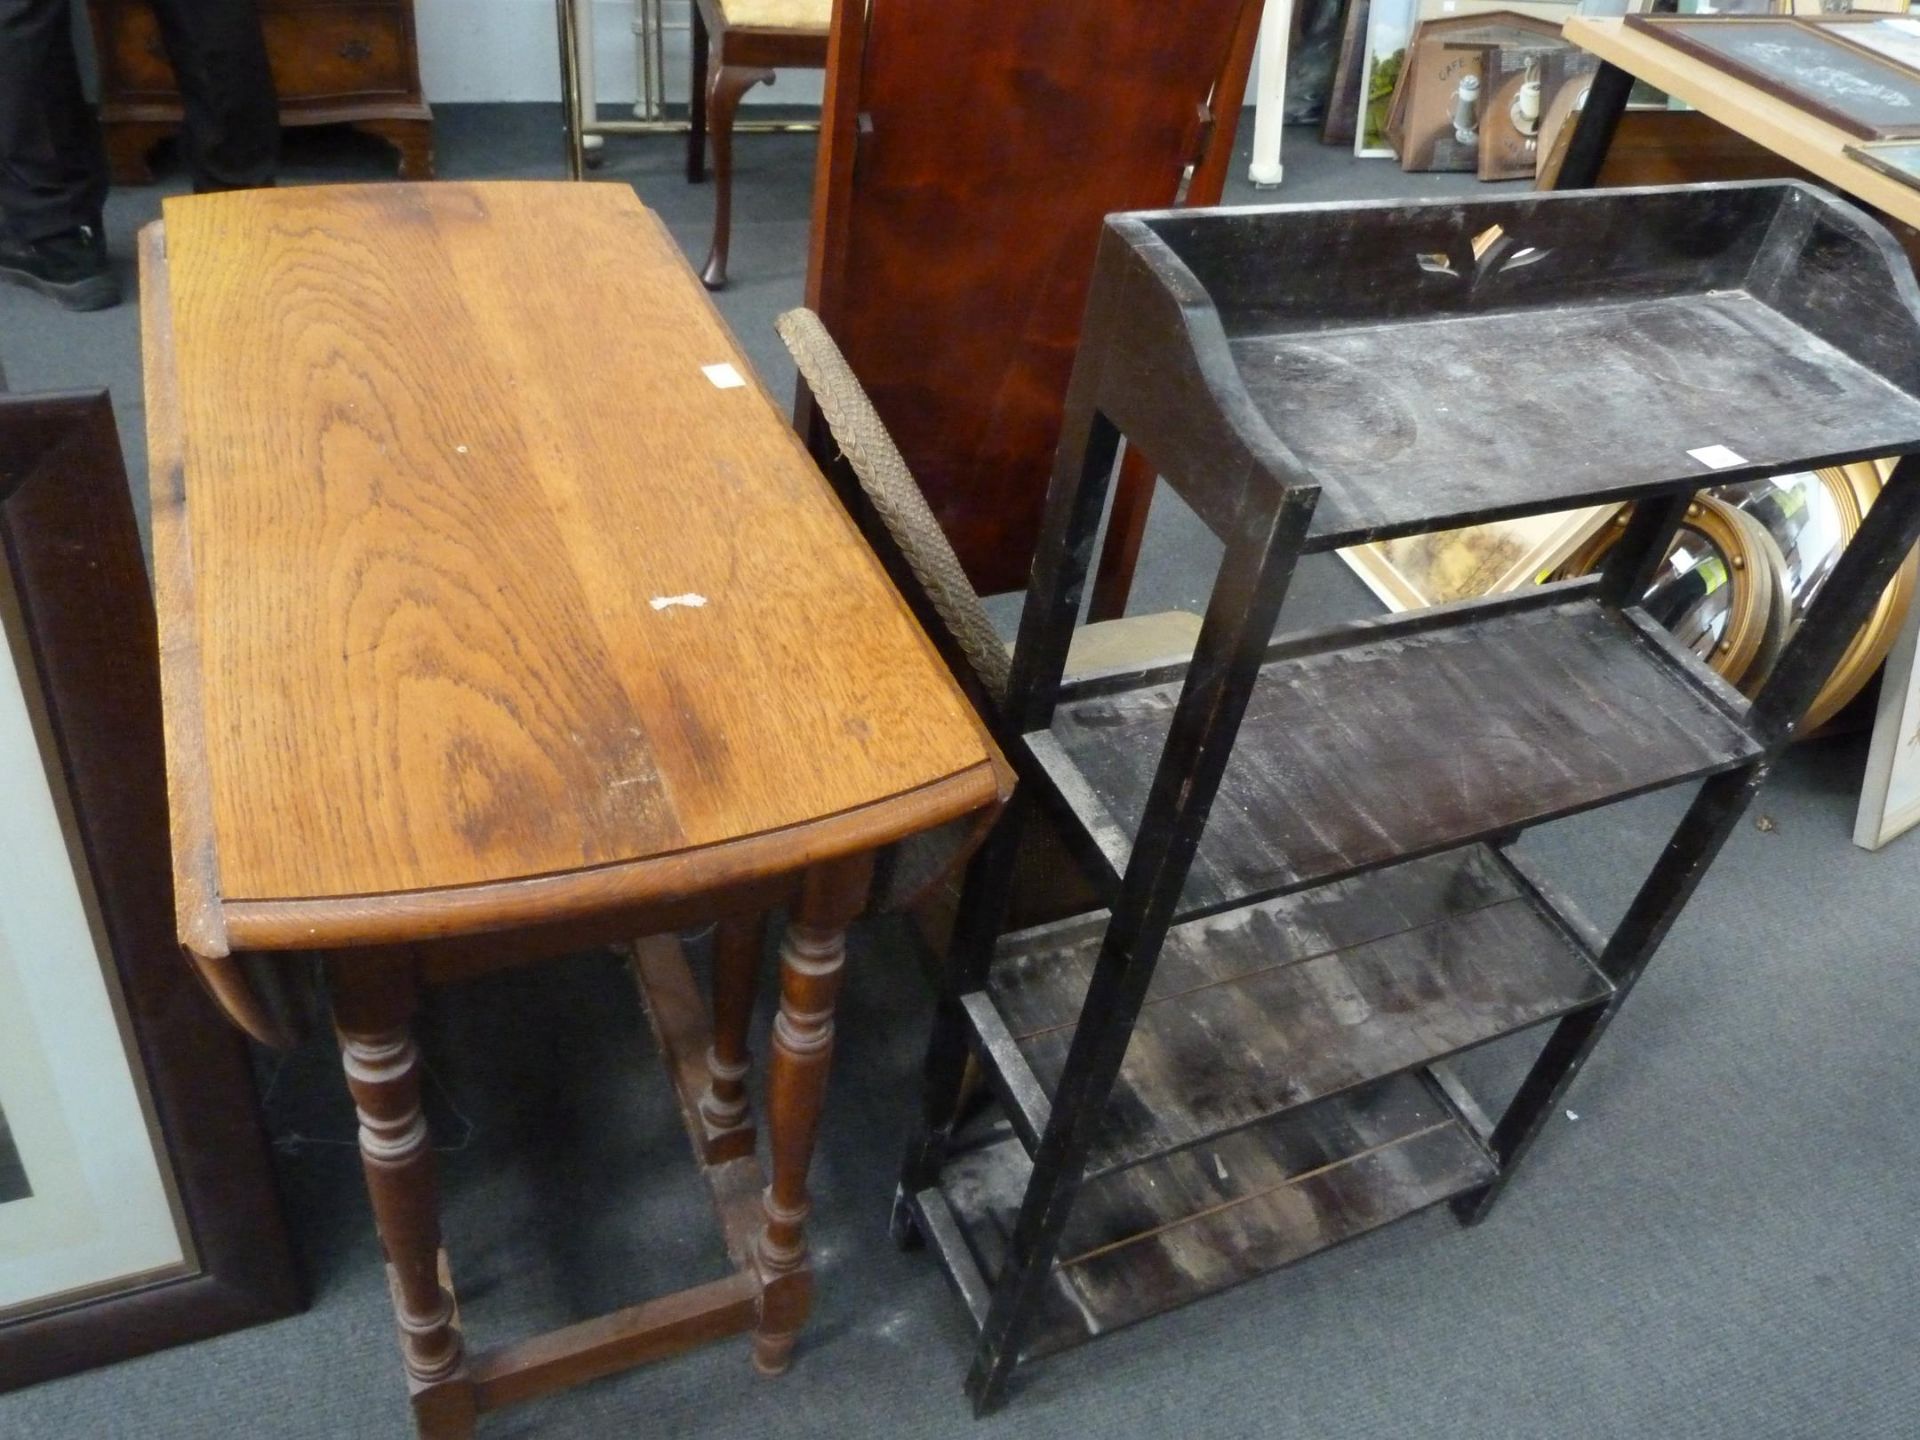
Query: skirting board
[508, 50]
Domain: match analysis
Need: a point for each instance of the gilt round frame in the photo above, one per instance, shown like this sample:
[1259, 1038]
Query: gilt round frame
[1853, 489]
[1749, 589]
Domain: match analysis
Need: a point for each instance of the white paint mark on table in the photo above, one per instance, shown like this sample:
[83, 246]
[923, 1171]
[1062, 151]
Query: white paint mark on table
[667, 602]
[724, 377]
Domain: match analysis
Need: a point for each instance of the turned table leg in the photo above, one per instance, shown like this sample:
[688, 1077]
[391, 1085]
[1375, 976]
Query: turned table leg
[737, 945]
[374, 998]
[812, 955]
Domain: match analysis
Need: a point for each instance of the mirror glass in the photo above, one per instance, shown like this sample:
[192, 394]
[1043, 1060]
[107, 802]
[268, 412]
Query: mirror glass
[1801, 514]
[1691, 595]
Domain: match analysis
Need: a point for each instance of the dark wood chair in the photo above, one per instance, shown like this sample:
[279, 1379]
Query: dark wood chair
[738, 44]
[951, 263]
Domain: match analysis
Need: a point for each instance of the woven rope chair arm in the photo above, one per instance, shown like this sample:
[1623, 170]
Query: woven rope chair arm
[889, 486]
[911, 869]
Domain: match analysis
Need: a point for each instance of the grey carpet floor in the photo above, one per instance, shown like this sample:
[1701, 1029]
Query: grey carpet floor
[1717, 1238]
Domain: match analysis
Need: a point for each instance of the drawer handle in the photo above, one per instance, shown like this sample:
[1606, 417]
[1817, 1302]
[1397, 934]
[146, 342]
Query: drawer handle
[356, 49]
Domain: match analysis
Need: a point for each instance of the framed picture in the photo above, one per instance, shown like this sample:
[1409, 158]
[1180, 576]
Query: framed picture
[1891, 37]
[1827, 8]
[1427, 102]
[1342, 119]
[1890, 798]
[1511, 129]
[137, 1207]
[1390, 26]
[1803, 63]
[1442, 566]
[1898, 158]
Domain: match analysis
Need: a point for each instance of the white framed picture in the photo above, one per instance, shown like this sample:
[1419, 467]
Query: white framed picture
[1890, 798]
[1389, 28]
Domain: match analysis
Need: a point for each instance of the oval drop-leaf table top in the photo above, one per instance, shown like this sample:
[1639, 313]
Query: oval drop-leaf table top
[476, 581]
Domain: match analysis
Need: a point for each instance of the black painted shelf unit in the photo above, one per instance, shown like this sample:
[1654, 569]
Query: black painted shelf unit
[1305, 844]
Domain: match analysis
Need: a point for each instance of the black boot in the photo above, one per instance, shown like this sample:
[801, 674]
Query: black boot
[70, 267]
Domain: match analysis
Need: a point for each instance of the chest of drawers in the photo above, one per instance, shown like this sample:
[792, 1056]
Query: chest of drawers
[351, 62]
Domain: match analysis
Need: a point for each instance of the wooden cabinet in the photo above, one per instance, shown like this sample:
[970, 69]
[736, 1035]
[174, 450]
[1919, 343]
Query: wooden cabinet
[351, 62]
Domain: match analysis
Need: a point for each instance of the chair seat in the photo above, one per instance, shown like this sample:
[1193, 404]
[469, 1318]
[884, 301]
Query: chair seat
[1132, 642]
[798, 15]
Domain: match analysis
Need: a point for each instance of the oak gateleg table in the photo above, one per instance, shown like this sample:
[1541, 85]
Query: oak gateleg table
[501, 614]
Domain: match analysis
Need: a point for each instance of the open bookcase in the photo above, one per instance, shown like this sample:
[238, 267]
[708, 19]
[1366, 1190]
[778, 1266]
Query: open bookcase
[1304, 843]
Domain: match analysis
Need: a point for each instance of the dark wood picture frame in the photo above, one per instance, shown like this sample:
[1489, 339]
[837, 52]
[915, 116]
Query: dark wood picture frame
[1342, 119]
[1684, 33]
[72, 549]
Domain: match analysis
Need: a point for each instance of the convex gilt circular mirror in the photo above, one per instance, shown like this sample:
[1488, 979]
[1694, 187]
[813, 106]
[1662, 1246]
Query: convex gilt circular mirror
[1812, 516]
[1745, 568]
[1705, 590]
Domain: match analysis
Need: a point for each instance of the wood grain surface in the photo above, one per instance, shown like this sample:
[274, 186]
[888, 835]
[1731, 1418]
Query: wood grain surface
[952, 256]
[1254, 1012]
[1676, 147]
[442, 448]
[1388, 444]
[1384, 356]
[1160, 1235]
[1413, 743]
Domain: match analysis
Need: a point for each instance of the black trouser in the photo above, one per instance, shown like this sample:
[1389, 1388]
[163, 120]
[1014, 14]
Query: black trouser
[53, 170]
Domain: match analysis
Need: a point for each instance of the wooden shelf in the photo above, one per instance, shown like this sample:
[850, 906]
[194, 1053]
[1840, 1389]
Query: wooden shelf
[1158, 1236]
[1258, 1011]
[1428, 364]
[1401, 746]
[1306, 842]
[1713, 368]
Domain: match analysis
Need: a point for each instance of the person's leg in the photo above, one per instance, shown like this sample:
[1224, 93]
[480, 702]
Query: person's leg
[53, 172]
[232, 113]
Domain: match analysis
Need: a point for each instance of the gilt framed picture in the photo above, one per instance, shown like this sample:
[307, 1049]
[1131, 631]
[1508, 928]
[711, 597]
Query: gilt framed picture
[1442, 566]
[137, 1206]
